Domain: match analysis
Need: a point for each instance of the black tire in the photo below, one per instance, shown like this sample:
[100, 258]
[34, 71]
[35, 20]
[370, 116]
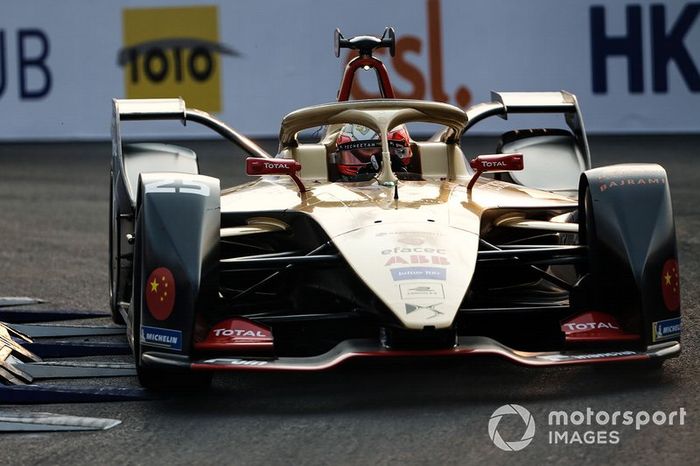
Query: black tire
[609, 285]
[154, 378]
[114, 263]
[603, 271]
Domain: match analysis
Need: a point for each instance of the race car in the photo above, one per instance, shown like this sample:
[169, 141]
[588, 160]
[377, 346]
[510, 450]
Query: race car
[369, 243]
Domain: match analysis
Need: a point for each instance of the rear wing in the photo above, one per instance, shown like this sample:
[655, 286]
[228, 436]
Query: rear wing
[505, 103]
[172, 109]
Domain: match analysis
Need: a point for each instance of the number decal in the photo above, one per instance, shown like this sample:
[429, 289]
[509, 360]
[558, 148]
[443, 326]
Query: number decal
[178, 186]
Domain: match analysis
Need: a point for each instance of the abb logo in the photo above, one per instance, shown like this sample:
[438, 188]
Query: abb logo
[417, 259]
[411, 45]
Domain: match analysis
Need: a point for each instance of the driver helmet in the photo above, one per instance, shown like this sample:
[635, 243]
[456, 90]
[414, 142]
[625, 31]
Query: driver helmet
[360, 150]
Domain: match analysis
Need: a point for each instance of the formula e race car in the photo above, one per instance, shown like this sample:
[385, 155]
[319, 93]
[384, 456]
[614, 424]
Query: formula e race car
[368, 243]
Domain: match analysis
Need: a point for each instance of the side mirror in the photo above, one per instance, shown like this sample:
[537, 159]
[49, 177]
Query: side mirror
[255, 166]
[494, 163]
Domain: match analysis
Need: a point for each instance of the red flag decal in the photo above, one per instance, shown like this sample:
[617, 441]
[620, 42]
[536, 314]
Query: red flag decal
[160, 293]
[670, 285]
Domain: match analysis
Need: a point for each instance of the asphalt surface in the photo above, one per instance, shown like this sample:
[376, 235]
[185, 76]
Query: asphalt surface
[53, 245]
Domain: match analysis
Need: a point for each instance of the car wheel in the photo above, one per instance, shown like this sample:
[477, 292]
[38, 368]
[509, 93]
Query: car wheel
[601, 268]
[114, 263]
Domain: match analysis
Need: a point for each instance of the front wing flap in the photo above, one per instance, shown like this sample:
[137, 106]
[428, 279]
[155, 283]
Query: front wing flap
[366, 348]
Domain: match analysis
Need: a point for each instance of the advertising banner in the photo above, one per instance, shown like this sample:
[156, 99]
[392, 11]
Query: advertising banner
[633, 65]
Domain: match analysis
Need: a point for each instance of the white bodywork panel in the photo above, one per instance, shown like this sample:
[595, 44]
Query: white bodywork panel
[420, 270]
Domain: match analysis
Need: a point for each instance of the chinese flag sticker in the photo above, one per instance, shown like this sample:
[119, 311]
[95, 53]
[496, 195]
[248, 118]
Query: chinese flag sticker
[160, 293]
[670, 285]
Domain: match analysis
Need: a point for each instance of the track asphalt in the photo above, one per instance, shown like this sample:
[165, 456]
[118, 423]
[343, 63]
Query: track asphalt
[53, 245]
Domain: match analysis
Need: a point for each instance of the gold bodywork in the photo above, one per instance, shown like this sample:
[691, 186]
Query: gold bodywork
[417, 253]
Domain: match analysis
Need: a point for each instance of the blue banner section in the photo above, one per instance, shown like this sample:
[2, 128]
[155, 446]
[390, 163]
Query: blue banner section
[419, 273]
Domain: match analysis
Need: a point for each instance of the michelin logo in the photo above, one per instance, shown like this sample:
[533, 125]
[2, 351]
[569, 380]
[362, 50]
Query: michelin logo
[161, 337]
[665, 329]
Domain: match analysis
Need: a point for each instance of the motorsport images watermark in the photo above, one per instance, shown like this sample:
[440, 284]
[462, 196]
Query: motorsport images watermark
[586, 427]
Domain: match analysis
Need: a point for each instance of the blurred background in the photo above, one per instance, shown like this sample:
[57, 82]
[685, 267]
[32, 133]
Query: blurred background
[633, 65]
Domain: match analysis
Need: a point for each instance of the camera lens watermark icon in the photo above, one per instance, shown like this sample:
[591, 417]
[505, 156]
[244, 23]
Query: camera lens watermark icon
[529, 427]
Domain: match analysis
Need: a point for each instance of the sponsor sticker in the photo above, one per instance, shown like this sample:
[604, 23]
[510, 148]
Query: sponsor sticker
[584, 326]
[161, 337]
[419, 273]
[237, 362]
[174, 51]
[407, 250]
[417, 259]
[578, 357]
[411, 308]
[665, 329]
[160, 293]
[421, 290]
[239, 332]
[411, 240]
[622, 182]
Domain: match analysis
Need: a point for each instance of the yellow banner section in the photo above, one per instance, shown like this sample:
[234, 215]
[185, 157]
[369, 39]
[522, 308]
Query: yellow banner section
[173, 52]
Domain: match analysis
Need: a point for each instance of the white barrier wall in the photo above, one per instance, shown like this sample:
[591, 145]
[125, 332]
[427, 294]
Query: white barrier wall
[633, 65]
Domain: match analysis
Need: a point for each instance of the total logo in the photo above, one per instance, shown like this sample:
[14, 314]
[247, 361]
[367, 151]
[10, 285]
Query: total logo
[591, 326]
[237, 332]
[487, 164]
[274, 165]
[179, 57]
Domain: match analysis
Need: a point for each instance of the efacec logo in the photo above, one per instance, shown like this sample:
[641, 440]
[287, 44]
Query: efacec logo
[584, 427]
